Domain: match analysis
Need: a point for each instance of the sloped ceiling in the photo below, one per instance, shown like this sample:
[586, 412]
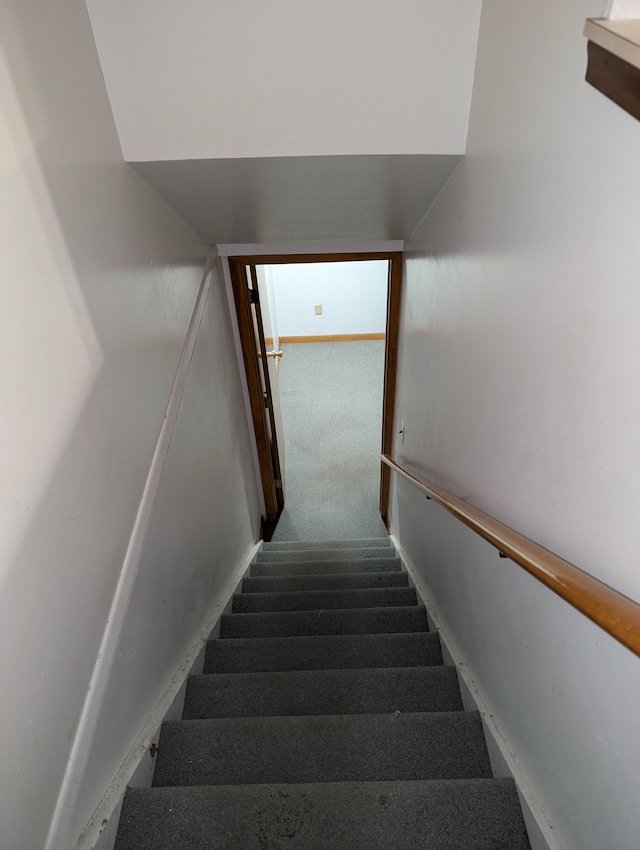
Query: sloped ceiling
[301, 199]
[289, 120]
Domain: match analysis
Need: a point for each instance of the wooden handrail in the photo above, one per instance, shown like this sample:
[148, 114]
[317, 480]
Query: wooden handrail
[618, 615]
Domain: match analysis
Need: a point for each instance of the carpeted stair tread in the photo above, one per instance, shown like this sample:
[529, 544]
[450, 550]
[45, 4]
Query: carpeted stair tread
[284, 584]
[323, 652]
[316, 600]
[340, 748]
[339, 621]
[324, 719]
[363, 691]
[362, 543]
[458, 814]
[268, 556]
[301, 568]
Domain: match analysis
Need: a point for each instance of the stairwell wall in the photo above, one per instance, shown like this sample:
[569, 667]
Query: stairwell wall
[518, 386]
[204, 520]
[99, 280]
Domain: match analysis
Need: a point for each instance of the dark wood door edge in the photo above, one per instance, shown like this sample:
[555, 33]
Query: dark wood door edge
[394, 293]
[263, 365]
[254, 386]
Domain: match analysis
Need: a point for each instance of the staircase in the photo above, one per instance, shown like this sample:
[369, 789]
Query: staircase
[324, 719]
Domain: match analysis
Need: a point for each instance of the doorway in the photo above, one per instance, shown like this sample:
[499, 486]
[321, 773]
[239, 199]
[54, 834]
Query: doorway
[261, 352]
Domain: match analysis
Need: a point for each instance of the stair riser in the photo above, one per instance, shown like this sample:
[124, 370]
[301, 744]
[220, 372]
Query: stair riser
[328, 652]
[316, 600]
[378, 565]
[284, 584]
[328, 622]
[323, 692]
[295, 545]
[362, 748]
[300, 555]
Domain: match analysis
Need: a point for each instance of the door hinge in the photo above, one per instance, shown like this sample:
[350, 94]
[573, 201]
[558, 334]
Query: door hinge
[278, 484]
[268, 402]
[254, 296]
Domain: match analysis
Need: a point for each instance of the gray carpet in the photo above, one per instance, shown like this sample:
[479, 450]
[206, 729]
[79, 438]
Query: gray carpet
[474, 814]
[323, 741]
[331, 394]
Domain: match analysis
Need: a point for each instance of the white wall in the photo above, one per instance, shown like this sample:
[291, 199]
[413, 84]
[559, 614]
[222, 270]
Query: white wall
[205, 519]
[99, 280]
[353, 297]
[285, 78]
[518, 385]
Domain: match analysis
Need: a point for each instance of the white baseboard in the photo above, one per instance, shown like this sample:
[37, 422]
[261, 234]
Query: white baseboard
[137, 768]
[504, 762]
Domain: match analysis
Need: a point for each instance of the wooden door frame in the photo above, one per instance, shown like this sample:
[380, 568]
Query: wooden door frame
[237, 266]
[394, 295]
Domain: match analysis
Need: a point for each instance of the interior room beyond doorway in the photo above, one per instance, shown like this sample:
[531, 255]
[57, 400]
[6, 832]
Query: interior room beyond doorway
[328, 320]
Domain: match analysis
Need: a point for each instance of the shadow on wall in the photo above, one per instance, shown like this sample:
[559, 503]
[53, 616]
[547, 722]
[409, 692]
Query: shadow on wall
[105, 278]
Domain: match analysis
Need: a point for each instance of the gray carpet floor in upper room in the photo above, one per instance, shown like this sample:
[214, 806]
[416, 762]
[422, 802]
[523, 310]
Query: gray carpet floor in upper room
[331, 396]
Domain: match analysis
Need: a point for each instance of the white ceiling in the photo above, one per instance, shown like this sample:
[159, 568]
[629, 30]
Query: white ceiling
[290, 121]
[249, 78]
[301, 199]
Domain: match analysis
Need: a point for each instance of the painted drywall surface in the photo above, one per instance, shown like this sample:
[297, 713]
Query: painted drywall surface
[622, 9]
[301, 198]
[264, 278]
[255, 249]
[353, 297]
[206, 518]
[99, 279]
[285, 78]
[519, 388]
